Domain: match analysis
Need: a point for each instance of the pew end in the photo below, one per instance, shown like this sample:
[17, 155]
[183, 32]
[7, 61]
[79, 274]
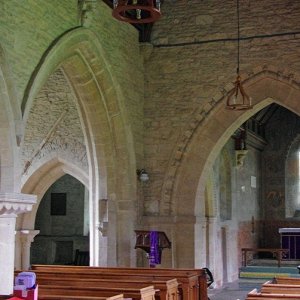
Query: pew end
[253, 292]
[148, 293]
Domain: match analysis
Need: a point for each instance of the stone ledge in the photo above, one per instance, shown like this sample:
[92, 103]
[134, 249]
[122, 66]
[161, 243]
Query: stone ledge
[15, 203]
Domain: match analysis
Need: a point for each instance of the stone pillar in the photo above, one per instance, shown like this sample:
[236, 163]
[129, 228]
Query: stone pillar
[27, 237]
[11, 204]
[7, 245]
[200, 243]
[18, 251]
[212, 247]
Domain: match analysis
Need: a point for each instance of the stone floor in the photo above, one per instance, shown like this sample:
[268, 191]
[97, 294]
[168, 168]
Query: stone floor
[237, 290]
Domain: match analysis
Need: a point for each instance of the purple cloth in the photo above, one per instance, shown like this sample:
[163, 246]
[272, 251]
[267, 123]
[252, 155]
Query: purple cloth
[155, 254]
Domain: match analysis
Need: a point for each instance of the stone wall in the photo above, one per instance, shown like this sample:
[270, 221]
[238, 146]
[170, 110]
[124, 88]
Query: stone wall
[192, 64]
[280, 133]
[53, 128]
[193, 59]
[29, 29]
[103, 67]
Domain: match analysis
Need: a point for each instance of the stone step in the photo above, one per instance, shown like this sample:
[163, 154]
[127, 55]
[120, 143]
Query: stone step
[268, 272]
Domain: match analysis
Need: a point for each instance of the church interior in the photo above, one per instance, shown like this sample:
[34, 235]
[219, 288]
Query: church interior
[110, 127]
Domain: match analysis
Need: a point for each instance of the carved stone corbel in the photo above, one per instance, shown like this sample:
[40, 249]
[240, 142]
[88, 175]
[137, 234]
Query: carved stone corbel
[240, 157]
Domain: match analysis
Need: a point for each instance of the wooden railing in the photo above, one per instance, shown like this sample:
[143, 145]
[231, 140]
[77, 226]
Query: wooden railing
[277, 253]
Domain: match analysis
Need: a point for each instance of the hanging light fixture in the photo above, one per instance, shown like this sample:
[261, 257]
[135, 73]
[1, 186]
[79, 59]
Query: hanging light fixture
[137, 11]
[238, 99]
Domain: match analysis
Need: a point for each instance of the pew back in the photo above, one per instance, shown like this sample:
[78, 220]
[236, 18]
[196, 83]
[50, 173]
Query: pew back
[255, 295]
[192, 281]
[287, 280]
[167, 290]
[146, 293]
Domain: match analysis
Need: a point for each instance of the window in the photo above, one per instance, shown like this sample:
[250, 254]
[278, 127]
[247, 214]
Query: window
[58, 204]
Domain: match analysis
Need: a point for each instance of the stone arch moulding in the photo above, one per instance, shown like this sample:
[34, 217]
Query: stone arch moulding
[225, 173]
[41, 180]
[110, 150]
[10, 120]
[211, 206]
[266, 85]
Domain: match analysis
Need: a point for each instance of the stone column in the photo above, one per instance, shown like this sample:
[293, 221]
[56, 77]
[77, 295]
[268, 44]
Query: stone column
[200, 242]
[11, 204]
[212, 246]
[27, 237]
[18, 251]
[214, 249]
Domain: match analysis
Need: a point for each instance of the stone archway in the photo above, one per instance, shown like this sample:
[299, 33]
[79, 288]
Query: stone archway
[205, 136]
[108, 138]
[42, 179]
[38, 183]
[209, 130]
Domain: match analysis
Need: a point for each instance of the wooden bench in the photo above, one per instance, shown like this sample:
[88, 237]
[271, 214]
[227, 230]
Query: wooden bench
[255, 295]
[277, 288]
[146, 293]
[286, 280]
[166, 290]
[64, 297]
[192, 281]
[73, 297]
[278, 253]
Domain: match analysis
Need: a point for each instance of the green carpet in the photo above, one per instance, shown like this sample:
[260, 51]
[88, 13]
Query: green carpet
[268, 272]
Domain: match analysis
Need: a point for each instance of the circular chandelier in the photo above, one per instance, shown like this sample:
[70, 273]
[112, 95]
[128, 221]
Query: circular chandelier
[137, 11]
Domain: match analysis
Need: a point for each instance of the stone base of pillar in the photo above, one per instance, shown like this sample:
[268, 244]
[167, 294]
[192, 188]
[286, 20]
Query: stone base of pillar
[11, 204]
[7, 246]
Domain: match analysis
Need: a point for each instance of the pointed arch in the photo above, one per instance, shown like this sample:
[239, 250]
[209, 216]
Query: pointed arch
[42, 179]
[210, 128]
[108, 137]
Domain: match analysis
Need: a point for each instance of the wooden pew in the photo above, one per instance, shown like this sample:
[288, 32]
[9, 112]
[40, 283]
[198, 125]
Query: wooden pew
[192, 281]
[146, 293]
[167, 290]
[284, 287]
[277, 288]
[287, 280]
[64, 297]
[255, 295]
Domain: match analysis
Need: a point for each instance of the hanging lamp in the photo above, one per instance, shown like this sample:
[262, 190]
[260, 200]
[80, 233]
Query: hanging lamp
[238, 99]
[136, 11]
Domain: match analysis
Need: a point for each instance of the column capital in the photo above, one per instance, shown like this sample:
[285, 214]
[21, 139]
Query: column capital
[201, 219]
[27, 235]
[212, 220]
[15, 203]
